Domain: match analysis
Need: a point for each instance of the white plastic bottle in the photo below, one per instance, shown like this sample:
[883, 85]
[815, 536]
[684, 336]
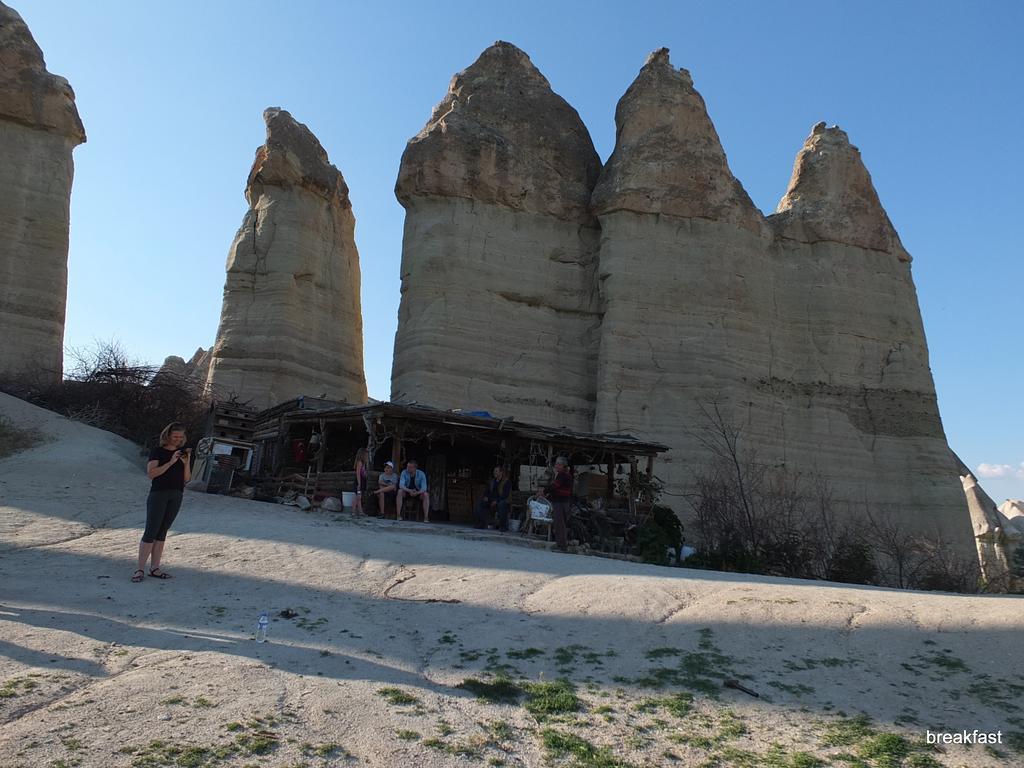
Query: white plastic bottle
[261, 627]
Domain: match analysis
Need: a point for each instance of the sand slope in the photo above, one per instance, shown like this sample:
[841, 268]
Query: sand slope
[104, 672]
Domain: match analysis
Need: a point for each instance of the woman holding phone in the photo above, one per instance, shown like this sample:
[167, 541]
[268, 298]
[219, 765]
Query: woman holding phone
[169, 469]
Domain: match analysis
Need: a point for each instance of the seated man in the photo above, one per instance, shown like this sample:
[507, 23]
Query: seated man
[496, 499]
[387, 487]
[413, 482]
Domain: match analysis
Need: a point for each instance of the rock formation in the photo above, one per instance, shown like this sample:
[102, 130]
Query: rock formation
[197, 368]
[39, 128]
[291, 322]
[803, 328]
[499, 304]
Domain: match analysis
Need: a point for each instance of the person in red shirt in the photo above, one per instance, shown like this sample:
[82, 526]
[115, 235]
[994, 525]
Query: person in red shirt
[559, 493]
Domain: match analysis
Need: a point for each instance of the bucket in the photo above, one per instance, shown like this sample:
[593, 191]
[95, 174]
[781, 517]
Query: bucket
[513, 525]
[348, 499]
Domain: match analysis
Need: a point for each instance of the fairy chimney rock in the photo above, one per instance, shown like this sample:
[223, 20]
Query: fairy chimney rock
[668, 158]
[39, 128]
[831, 197]
[499, 309]
[291, 321]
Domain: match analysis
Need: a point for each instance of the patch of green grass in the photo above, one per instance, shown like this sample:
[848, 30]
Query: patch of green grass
[16, 686]
[812, 663]
[259, 743]
[1015, 741]
[158, 754]
[234, 726]
[448, 638]
[397, 696]
[172, 701]
[798, 689]
[560, 745]
[777, 757]
[310, 626]
[678, 704]
[202, 702]
[945, 661]
[886, 750]
[500, 690]
[525, 653]
[71, 744]
[553, 697]
[500, 730]
[730, 726]
[661, 653]
[326, 750]
[406, 735]
[997, 694]
[847, 731]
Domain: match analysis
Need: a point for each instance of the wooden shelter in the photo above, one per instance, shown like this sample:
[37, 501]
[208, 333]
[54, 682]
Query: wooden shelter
[310, 444]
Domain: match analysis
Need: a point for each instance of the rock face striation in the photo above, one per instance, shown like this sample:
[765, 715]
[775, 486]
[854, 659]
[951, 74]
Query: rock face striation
[801, 329]
[291, 321]
[499, 304]
[39, 128]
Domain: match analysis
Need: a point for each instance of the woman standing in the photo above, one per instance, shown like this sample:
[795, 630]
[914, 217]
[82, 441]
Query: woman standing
[360, 468]
[169, 470]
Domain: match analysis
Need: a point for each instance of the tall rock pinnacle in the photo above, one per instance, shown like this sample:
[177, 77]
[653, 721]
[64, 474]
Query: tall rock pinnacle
[39, 128]
[668, 157]
[499, 305]
[291, 322]
[831, 197]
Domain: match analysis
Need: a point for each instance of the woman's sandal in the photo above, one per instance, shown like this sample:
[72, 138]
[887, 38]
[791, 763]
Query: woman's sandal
[156, 573]
[138, 576]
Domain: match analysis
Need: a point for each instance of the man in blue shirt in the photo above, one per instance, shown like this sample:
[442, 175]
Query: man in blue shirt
[495, 498]
[413, 482]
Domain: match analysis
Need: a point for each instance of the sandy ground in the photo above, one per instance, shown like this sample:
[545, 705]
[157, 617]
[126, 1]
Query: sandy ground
[97, 671]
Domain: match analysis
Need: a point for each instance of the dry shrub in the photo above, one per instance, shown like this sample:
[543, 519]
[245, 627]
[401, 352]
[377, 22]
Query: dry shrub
[14, 439]
[107, 389]
[756, 518]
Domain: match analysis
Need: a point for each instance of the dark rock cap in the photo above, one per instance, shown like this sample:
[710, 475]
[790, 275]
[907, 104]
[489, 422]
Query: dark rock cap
[668, 157]
[30, 95]
[292, 156]
[502, 136]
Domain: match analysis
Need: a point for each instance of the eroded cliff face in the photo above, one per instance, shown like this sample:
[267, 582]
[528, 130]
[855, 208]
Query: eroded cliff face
[499, 302]
[39, 128]
[803, 328]
[291, 321]
[684, 273]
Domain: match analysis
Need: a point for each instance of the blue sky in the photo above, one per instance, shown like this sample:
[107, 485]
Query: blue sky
[172, 94]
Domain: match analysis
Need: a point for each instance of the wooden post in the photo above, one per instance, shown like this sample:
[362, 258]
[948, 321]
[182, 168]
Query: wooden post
[633, 484]
[396, 448]
[650, 467]
[611, 478]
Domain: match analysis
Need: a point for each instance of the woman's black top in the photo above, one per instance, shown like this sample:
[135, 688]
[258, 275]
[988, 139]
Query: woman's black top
[171, 480]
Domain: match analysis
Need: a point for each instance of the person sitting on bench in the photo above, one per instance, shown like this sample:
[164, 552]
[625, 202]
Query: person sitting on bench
[387, 487]
[413, 483]
[495, 498]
